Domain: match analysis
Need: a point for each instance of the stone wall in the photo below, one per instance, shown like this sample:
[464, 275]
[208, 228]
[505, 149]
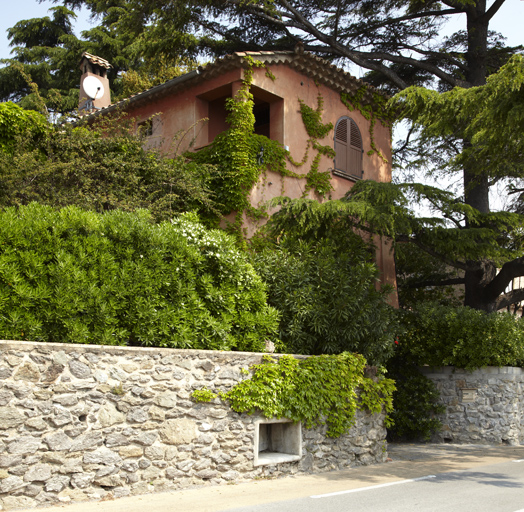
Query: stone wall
[483, 406]
[80, 422]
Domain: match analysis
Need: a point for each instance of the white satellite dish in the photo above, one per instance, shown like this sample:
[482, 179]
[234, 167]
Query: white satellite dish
[93, 87]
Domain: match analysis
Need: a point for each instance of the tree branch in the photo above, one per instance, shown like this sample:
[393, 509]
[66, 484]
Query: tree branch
[452, 263]
[369, 60]
[436, 282]
[503, 301]
[497, 4]
[412, 16]
[507, 273]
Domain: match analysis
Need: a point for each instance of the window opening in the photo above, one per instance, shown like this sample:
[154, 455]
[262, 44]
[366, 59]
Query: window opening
[261, 112]
[348, 149]
[277, 441]
[145, 128]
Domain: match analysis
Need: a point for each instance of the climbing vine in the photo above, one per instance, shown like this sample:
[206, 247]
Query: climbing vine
[319, 390]
[241, 156]
[379, 110]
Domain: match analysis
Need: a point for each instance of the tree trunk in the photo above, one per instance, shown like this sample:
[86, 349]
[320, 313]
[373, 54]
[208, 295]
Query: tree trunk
[476, 189]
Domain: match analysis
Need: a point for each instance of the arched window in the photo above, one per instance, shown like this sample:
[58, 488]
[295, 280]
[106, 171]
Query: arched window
[348, 148]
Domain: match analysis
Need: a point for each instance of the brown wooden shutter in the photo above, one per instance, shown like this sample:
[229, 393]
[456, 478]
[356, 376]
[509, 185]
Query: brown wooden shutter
[341, 145]
[348, 147]
[355, 150]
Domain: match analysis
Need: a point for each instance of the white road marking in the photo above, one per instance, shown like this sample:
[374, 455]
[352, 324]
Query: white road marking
[518, 460]
[375, 487]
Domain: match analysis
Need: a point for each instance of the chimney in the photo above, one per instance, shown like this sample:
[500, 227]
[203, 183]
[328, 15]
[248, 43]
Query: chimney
[94, 84]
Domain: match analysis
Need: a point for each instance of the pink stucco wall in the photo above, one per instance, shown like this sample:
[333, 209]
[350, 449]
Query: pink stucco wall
[186, 111]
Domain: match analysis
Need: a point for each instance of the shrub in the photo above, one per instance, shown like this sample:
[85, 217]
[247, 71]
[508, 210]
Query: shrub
[439, 335]
[118, 278]
[17, 124]
[415, 402]
[100, 168]
[328, 301]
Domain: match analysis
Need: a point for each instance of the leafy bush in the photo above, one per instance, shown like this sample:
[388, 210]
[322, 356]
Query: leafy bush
[415, 402]
[118, 278]
[467, 338]
[16, 123]
[100, 168]
[328, 301]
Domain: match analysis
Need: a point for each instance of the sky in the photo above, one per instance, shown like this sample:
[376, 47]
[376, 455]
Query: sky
[16, 10]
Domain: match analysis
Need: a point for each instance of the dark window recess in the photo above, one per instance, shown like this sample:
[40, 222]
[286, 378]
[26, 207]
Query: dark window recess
[146, 128]
[348, 149]
[262, 113]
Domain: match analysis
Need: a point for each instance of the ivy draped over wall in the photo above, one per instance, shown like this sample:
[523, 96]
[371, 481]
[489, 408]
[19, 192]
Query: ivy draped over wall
[241, 156]
[378, 111]
[318, 390]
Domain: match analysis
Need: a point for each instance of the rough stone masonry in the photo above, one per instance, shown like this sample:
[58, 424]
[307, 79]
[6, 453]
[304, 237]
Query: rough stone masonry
[84, 422]
[484, 406]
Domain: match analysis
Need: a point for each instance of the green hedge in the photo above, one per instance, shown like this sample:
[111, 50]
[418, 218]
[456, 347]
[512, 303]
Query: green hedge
[329, 302]
[439, 335]
[117, 278]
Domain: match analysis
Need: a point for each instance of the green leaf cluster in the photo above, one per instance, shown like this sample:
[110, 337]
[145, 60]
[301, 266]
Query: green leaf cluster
[439, 335]
[117, 278]
[17, 123]
[415, 402]
[489, 117]
[312, 119]
[328, 299]
[102, 167]
[322, 390]
[240, 156]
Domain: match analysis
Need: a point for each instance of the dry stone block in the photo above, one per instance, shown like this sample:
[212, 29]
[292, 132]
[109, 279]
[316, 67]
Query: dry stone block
[58, 442]
[79, 369]
[178, 431]
[138, 415]
[5, 397]
[38, 473]
[11, 483]
[57, 484]
[5, 372]
[108, 415]
[11, 417]
[167, 400]
[16, 502]
[102, 456]
[24, 445]
[28, 371]
[131, 451]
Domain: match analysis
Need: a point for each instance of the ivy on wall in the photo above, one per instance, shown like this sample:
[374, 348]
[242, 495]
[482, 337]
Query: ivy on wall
[241, 156]
[318, 390]
[378, 111]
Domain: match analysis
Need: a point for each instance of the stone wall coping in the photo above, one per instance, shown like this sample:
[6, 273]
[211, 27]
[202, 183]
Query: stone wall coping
[119, 350]
[487, 370]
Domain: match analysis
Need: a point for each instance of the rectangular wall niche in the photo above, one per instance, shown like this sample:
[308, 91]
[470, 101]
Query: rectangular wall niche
[277, 441]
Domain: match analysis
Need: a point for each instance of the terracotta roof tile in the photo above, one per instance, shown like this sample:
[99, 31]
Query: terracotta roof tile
[94, 59]
[315, 67]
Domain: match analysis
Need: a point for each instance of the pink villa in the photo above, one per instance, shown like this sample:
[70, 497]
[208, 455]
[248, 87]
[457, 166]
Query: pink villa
[282, 81]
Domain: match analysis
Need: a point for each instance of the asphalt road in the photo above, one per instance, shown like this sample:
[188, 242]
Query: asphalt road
[491, 488]
[418, 478]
